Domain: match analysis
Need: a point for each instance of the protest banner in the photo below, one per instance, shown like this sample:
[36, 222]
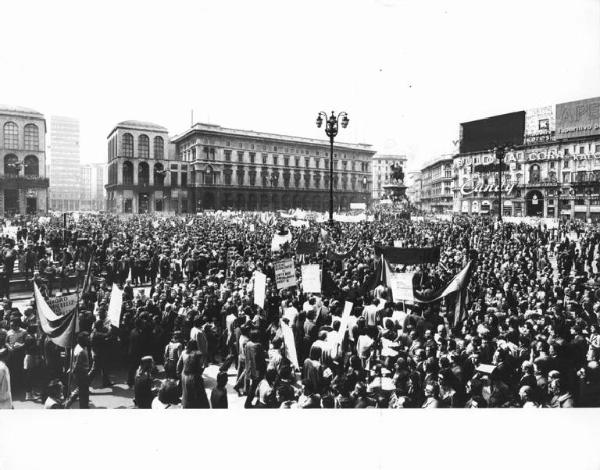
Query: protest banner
[260, 286]
[401, 285]
[62, 305]
[311, 278]
[285, 273]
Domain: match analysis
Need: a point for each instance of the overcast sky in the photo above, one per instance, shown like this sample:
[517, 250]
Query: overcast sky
[407, 72]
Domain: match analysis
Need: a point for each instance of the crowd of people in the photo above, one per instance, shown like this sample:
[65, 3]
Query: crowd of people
[529, 336]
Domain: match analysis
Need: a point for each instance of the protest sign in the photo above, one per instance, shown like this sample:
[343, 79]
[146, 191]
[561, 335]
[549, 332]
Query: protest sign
[114, 306]
[260, 286]
[285, 274]
[311, 278]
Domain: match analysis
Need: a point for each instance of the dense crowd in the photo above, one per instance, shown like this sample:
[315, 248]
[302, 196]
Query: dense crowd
[529, 336]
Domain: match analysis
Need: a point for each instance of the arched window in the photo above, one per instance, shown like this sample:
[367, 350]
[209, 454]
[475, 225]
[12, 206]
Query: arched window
[159, 175]
[32, 166]
[143, 146]
[534, 174]
[32, 137]
[10, 165]
[143, 173]
[127, 146]
[159, 147]
[11, 135]
[127, 173]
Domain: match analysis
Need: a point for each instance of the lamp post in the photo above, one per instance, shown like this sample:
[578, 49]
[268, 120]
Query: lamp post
[331, 129]
[500, 152]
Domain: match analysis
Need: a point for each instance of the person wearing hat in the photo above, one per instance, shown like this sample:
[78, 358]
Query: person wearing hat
[100, 343]
[144, 381]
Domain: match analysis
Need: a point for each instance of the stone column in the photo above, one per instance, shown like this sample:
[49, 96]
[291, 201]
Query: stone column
[119, 166]
[135, 173]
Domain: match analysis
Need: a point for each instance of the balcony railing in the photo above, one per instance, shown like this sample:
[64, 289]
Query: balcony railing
[8, 181]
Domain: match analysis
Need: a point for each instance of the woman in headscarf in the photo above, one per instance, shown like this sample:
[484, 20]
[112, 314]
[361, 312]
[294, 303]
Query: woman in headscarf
[190, 366]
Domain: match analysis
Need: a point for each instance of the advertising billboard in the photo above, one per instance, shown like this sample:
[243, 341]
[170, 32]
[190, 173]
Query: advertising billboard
[578, 118]
[483, 134]
[540, 124]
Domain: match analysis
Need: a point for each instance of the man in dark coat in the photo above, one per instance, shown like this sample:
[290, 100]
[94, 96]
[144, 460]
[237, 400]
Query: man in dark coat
[256, 365]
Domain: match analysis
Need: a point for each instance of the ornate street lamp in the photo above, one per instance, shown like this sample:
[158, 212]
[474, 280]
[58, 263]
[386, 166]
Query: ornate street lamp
[331, 129]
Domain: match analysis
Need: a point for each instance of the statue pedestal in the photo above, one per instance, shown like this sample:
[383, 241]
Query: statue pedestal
[395, 191]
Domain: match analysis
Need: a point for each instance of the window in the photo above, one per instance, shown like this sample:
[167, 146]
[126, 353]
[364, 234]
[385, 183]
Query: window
[307, 162]
[212, 154]
[228, 178]
[566, 151]
[127, 146]
[252, 155]
[264, 158]
[251, 146]
[10, 165]
[159, 147]
[143, 146]
[566, 163]
[566, 177]
[597, 146]
[317, 162]
[552, 164]
[581, 149]
[240, 156]
[286, 161]
[274, 149]
[275, 160]
[32, 166]
[32, 140]
[184, 179]
[11, 135]
[227, 155]
[227, 143]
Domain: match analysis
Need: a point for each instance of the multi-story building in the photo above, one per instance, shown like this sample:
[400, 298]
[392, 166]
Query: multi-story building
[382, 171]
[212, 167]
[23, 182]
[92, 187]
[413, 191]
[64, 164]
[553, 169]
[143, 175]
[436, 186]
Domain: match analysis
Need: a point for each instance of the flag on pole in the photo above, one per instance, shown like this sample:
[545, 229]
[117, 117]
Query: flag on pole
[60, 329]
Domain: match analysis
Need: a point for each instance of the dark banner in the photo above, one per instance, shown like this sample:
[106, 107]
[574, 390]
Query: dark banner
[341, 256]
[408, 256]
[306, 248]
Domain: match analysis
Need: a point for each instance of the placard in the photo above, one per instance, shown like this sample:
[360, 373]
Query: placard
[260, 286]
[285, 273]
[62, 305]
[311, 278]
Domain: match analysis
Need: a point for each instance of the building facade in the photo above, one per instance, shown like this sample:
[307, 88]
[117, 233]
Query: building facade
[382, 171]
[143, 176]
[413, 190]
[553, 172]
[436, 186]
[210, 167]
[64, 164]
[92, 187]
[23, 181]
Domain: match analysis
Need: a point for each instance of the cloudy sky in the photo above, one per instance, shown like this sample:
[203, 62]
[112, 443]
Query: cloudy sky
[407, 72]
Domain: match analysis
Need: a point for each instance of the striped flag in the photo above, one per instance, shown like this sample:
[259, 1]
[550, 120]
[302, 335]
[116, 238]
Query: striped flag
[60, 329]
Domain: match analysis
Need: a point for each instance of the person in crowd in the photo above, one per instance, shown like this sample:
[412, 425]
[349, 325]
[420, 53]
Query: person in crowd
[144, 383]
[80, 372]
[5, 386]
[218, 395]
[190, 368]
